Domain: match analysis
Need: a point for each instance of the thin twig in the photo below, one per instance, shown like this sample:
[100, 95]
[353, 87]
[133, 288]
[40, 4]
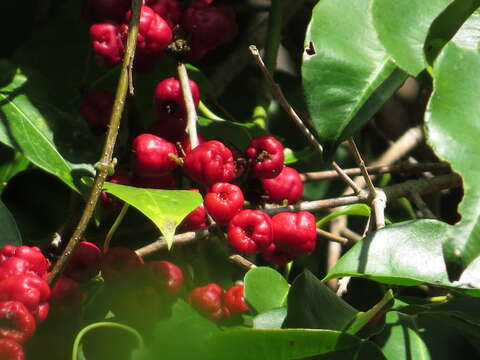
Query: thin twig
[351, 234]
[422, 206]
[113, 229]
[106, 158]
[363, 168]
[240, 260]
[404, 167]
[189, 104]
[333, 237]
[282, 101]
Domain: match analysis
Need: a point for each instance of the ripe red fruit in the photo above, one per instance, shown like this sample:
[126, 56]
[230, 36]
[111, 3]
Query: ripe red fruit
[166, 181]
[234, 300]
[196, 219]
[121, 265]
[105, 10]
[166, 277]
[208, 26]
[250, 231]
[13, 266]
[11, 350]
[66, 296]
[107, 43]
[208, 300]
[154, 34]
[168, 97]
[275, 256]
[294, 233]
[224, 201]
[96, 109]
[209, 163]
[17, 323]
[84, 263]
[286, 186]
[30, 290]
[37, 263]
[185, 143]
[266, 154]
[170, 10]
[151, 155]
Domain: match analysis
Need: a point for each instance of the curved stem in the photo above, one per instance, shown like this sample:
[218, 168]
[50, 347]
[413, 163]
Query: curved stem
[113, 229]
[97, 325]
[106, 157]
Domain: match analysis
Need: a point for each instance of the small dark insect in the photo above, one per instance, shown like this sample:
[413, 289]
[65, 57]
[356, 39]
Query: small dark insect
[310, 49]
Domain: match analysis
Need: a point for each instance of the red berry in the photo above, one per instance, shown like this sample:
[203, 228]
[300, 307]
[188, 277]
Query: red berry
[250, 231]
[107, 43]
[11, 350]
[121, 265]
[66, 296]
[196, 219]
[294, 233]
[154, 34]
[16, 322]
[208, 300]
[166, 277]
[13, 266]
[168, 97]
[170, 10]
[209, 163]
[234, 300]
[273, 255]
[186, 143]
[105, 10]
[223, 202]
[96, 109]
[37, 263]
[208, 26]
[151, 156]
[29, 289]
[286, 186]
[84, 263]
[165, 181]
[267, 157]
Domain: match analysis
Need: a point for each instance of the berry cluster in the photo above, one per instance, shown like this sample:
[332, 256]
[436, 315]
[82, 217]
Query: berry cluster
[216, 303]
[203, 25]
[24, 296]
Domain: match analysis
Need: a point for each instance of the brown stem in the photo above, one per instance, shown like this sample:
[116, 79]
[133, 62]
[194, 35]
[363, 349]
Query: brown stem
[111, 137]
[240, 260]
[189, 105]
[332, 237]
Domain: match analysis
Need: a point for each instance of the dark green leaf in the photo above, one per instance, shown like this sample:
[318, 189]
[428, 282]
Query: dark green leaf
[11, 165]
[307, 303]
[10, 233]
[166, 208]
[402, 27]
[453, 128]
[350, 75]
[265, 289]
[272, 319]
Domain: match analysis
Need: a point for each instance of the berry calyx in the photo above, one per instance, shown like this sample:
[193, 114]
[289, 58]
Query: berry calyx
[287, 186]
[294, 233]
[166, 277]
[208, 300]
[209, 163]
[234, 299]
[168, 97]
[96, 109]
[224, 201]
[266, 154]
[17, 323]
[107, 43]
[84, 263]
[250, 231]
[151, 155]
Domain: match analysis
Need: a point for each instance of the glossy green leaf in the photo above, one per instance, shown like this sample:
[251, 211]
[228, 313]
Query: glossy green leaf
[11, 163]
[403, 26]
[42, 133]
[307, 301]
[265, 289]
[272, 319]
[292, 157]
[349, 76]
[453, 129]
[355, 209]
[166, 208]
[10, 233]
[284, 344]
